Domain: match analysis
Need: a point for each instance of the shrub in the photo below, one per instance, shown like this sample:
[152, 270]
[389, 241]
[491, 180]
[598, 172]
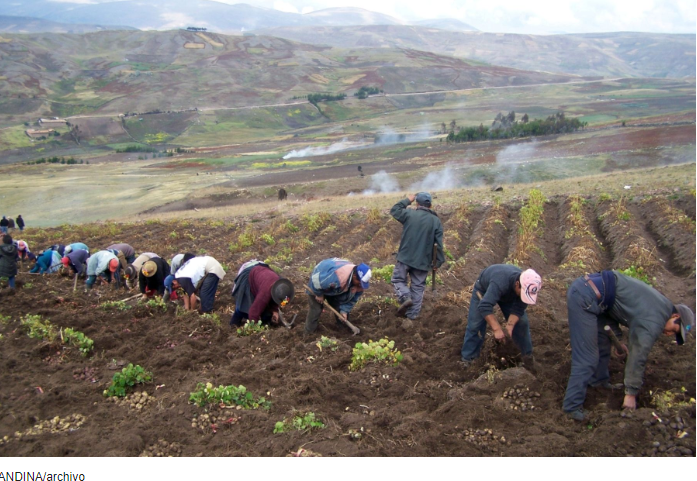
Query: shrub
[77, 339]
[299, 422]
[315, 222]
[290, 227]
[227, 395]
[38, 328]
[268, 239]
[372, 352]
[126, 379]
[384, 273]
[251, 327]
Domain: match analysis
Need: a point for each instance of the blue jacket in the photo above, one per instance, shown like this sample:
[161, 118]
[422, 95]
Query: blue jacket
[98, 263]
[78, 260]
[325, 281]
[75, 246]
[48, 262]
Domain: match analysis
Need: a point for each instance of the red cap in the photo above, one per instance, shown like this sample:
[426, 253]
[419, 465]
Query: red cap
[113, 265]
[65, 261]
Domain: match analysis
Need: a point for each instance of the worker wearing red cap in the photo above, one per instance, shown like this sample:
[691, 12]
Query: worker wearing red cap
[103, 264]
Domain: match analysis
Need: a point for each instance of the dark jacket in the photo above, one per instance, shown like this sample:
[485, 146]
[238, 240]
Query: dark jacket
[8, 260]
[78, 261]
[127, 250]
[4, 222]
[20, 222]
[11, 223]
[253, 291]
[157, 281]
[422, 228]
[496, 283]
[645, 312]
[60, 248]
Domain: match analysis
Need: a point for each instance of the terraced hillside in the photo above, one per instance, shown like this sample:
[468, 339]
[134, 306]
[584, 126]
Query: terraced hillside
[428, 405]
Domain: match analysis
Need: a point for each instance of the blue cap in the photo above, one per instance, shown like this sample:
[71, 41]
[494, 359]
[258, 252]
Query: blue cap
[168, 282]
[423, 198]
[364, 274]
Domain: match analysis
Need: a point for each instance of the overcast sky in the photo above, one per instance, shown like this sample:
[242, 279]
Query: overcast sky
[517, 16]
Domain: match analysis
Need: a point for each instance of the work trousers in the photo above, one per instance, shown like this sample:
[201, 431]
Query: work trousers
[476, 330]
[312, 320]
[590, 346]
[415, 291]
[207, 291]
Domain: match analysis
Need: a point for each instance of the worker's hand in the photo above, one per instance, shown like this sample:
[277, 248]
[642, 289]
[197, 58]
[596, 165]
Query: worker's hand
[629, 402]
[509, 330]
[344, 315]
[621, 354]
[320, 299]
[499, 335]
[434, 268]
[274, 317]
[411, 197]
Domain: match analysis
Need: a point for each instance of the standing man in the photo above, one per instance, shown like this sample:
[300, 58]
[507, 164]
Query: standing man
[258, 293]
[338, 281]
[513, 290]
[4, 224]
[8, 261]
[202, 275]
[20, 223]
[422, 229]
[611, 298]
[152, 275]
[102, 264]
[11, 224]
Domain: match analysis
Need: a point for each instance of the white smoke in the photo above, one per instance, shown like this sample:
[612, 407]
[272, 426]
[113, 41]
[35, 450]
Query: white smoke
[382, 183]
[512, 163]
[445, 179]
[322, 150]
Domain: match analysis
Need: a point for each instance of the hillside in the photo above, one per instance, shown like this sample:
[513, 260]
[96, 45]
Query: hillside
[609, 55]
[428, 405]
[9, 24]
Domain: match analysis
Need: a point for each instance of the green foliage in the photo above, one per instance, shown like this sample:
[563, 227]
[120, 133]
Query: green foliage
[637, 273]
[384, 273]
[136, 148]
[247, 238]
[299, 422]
[290, 227]
[372, 352]
[268, 239]
[156, 303]
[251, 327]
[227, 395]
[506, 128]
[123, 381]
[665, 400]
[604, 197]
[119, 305]
[79, 340]
[327, 342]
[314, 222]
[365, 91]
[448, 254]
[4, 320]
[212, 318]
[324, 97]
[38, 327]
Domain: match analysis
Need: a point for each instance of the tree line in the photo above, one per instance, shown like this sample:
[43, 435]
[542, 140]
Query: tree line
[506, 127]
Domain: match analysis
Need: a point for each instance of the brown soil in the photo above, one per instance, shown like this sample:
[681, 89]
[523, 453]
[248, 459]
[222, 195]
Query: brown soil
[427, 406]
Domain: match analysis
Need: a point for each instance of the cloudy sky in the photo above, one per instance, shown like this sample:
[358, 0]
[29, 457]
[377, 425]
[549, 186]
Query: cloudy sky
[517, 16]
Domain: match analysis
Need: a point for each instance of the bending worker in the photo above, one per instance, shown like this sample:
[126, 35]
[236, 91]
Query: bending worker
[202, 275]
[102, 264]
[132, 271]
[77, 261]
[611, 298]
[125, 253]
[74, 247]
[258, 293]
[340, 283]
[513, 290]
[152, 275]
[48, 262]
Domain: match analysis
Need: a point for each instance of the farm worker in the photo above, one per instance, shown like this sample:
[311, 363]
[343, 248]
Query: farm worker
[127, 253]
[132, 271]
[4, 224]
[47, 263]
[422, 229]
[179, 260]
[20, 223]
[612, 298]
[8, 261]
[340, 283]
[60, 248]
[152, 275]
[513, 290]
[77, 261]
[102, 264]
[258, 293]
[23, 249]
[11, 224]
[202, 275]
[75, 246]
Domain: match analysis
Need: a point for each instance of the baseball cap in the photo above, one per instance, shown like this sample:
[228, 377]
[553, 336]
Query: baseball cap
[65, 261]
[687, 322]
[149, 269]
[113, 265]
[364, 274]
[530, 284]
[423, 198]
[168, 282]
[68, 249]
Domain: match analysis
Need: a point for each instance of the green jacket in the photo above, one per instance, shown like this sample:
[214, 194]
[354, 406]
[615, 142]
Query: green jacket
[644, 311]
[422, 228]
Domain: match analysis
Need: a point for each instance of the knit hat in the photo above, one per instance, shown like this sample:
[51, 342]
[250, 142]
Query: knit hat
[113, 265]
[530, 284]
[687, 322]
[424, 199]
[149, 269]
[364, 274]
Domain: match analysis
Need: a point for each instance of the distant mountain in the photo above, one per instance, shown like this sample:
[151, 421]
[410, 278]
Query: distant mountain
[624, 54]
[9, 24]
[446, 24]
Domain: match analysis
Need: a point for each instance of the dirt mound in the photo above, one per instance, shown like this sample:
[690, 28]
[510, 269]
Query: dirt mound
[52, 404]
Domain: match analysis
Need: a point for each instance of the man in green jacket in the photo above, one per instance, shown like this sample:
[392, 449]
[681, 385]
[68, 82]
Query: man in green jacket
[422, 229]
[609, 298]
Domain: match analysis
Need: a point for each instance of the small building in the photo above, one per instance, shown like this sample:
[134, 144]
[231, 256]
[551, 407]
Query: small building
[53, 121]
[35, 134]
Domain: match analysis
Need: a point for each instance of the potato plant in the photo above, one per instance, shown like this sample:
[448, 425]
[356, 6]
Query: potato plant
[118, 305]
[637, 272]
[327, 342]
[384, 273]
[228, 395]
[373, 352]
[300, 422]
[77, 339]
[251, 327]
[38, 328]
[127, 379]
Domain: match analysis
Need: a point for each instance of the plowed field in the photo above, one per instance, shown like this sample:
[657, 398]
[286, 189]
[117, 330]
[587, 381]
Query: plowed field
[429, 405]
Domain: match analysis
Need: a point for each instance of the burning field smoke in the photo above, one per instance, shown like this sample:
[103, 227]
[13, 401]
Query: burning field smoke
[513, 161]
[382, 183]
[321, 150]
[445, 179]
